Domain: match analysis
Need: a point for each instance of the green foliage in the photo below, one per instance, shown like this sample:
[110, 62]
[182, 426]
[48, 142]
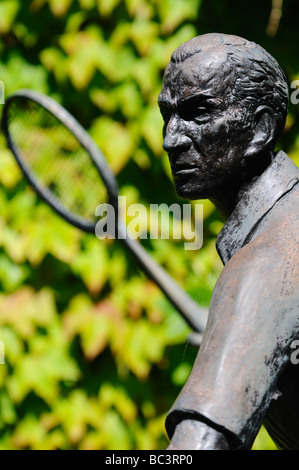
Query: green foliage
[94, 353]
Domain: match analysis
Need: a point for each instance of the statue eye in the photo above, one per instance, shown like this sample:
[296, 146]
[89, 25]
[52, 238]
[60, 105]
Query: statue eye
[200, 113]
[193, 112]
[166, 114]
[203, 115]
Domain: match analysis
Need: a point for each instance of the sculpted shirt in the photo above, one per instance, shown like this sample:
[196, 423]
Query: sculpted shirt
[243, 375]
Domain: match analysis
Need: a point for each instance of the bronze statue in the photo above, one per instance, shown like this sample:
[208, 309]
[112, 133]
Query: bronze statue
[224, 102]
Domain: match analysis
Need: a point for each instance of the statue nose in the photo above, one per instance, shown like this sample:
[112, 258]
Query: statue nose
[175, 138]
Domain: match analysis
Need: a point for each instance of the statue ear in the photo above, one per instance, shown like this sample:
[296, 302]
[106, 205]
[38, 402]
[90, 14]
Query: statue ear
[264, 127]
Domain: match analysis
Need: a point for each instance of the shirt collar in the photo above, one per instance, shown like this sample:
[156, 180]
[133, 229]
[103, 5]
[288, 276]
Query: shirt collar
[279, 178]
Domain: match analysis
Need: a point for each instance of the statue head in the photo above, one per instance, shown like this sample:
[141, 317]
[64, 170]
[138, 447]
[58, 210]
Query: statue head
[224, 102]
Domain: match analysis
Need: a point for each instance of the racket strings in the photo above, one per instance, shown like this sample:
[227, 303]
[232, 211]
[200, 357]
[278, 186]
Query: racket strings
[56, 158]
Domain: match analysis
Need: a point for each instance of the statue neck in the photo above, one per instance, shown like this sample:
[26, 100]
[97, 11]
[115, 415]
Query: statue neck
[228, 197]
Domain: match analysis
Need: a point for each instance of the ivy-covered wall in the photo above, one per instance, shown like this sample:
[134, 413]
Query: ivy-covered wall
[94, 353]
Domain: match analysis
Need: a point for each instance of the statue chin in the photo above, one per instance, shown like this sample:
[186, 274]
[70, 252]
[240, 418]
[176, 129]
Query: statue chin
[191, 192]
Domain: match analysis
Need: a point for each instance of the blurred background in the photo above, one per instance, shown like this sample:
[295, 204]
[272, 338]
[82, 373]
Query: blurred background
[94, 353]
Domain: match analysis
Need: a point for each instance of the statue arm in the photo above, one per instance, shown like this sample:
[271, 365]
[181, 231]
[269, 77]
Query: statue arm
[252, 321]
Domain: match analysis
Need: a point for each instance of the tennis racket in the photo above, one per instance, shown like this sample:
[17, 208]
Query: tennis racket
[69, 172]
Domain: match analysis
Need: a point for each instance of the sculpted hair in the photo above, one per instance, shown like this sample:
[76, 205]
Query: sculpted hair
[257, 78]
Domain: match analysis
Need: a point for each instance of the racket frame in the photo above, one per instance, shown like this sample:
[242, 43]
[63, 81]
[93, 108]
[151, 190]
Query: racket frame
[83, 138]
[193, 314]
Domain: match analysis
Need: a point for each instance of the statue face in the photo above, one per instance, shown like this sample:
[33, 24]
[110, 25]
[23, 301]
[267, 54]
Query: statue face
[206, 131]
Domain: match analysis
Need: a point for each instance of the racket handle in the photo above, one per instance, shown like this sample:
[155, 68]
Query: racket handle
[194, 315]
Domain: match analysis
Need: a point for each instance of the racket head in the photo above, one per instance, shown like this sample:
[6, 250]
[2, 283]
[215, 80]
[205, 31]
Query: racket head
[39, 132]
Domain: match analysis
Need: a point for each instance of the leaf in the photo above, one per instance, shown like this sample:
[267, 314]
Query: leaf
[144, 33]
[92, 264]
[106, 7]
[41, 374]
[140, 9]
[13, 346]
[8, 12]
[60, 7]
[173, 14]
[25, 310]
[140, 347]
[151, 126]
[17, 73]
[11, 275]
[92, 323]
[8, 413]
[10, 174]
[95, 336]
[55, 62]
[28, 433]
[181, 373]
[114, 140]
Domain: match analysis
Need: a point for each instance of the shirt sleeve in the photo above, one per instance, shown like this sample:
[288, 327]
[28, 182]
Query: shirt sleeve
[253, 319]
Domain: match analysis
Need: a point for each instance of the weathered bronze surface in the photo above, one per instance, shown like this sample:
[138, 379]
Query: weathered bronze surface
[224, 102]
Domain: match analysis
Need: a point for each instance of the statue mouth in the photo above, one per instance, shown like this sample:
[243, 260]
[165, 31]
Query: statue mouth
[183, 171]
